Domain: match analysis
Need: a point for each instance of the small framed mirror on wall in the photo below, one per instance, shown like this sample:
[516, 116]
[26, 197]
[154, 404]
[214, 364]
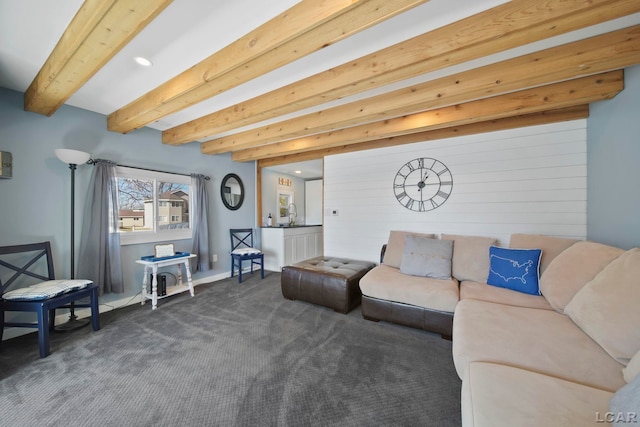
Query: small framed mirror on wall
[232, 191]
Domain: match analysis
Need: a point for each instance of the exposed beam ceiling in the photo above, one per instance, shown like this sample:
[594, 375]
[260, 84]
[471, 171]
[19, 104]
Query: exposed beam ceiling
[98, 31]
[495, 30]
[590, 56]
[547, 116]
[272, 93]
[309, 26]
[558, 95]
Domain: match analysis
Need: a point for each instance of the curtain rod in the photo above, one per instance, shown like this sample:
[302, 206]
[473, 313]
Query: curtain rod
[91, 161]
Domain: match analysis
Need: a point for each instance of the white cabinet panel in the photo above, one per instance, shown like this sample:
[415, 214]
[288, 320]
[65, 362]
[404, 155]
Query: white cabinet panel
[313, 201]
[285, 246]
[289, 250]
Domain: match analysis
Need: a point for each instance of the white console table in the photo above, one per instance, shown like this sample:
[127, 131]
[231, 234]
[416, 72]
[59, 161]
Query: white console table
[152, 266]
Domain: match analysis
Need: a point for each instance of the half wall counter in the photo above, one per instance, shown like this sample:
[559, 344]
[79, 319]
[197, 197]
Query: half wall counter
[288, 245]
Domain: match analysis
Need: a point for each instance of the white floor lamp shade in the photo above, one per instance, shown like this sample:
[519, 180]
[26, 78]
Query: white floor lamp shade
[72, 157]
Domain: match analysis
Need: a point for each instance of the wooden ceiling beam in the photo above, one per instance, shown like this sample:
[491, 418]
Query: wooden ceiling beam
[506, 26]
[304, 28]
[598, 54]
[99, 30]
[544, 117]
[558, 95]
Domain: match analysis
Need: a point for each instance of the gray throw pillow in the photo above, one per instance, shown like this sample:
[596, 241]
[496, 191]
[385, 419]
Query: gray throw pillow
[624, 406]
[427, 257]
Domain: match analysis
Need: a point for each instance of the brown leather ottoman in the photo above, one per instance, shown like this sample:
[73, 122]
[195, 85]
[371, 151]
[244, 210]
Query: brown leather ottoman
[330, 282]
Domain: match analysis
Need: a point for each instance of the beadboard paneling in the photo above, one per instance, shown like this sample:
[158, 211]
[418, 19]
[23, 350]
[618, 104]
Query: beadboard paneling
[527, 180]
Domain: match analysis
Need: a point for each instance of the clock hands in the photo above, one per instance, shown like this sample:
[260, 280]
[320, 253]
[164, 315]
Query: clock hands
[423, 182]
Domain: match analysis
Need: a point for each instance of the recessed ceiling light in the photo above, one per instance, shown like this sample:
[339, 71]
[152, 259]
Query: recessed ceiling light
[143, 61]
[297, 172]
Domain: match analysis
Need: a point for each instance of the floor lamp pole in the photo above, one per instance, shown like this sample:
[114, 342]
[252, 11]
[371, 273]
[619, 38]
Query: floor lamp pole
[73, 167]
[73, 322]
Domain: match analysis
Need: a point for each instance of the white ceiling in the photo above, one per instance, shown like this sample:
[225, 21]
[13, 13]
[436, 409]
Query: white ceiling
[311, 169]
[188, 31]
[185, 33]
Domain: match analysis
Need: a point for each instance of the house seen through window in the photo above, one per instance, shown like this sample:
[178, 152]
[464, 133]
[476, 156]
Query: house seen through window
[153, 206]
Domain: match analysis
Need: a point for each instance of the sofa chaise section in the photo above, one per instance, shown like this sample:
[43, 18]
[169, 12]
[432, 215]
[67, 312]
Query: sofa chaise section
[418, 302]
[538, 340]
[411, 300]
[495, 395]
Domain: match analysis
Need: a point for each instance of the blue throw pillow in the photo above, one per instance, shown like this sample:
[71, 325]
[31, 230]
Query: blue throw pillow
[516, 269]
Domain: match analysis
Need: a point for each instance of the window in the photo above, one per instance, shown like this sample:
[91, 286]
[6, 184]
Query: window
[153, 206]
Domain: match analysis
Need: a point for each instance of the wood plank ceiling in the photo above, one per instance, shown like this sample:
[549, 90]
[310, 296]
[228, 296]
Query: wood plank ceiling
[547, 85]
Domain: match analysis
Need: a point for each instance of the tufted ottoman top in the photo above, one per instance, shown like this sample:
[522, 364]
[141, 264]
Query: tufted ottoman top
[340, 267]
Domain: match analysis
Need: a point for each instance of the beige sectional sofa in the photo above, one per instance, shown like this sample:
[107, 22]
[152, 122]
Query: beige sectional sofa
[567, 356]
[420, 302]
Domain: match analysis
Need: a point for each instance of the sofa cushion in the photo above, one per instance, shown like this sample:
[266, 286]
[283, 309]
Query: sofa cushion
[395, 247]
[515, 269]
[608, 307]
[572, 269]
[484, 292]
[427, 257]
[551, 246]
[498, 395]
[387, 283]
[470, 256]
[47, 289]
[544, 341]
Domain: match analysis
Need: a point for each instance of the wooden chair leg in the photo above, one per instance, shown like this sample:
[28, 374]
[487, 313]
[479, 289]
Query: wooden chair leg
[95, 313]
[262, 267]
[52, 319]
[239, 271]
[43, 331]
[1, 323]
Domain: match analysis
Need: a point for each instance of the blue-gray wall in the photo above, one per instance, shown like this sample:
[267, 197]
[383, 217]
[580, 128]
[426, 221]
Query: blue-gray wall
[35, 203]
[613, 167]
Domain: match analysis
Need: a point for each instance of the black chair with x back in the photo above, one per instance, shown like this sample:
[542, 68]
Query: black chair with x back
[26, 264]
[242, 250]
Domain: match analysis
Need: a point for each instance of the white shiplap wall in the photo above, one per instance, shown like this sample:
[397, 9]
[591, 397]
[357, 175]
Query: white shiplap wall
[526, 180]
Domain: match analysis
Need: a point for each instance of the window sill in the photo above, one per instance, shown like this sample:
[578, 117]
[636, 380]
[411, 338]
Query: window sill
[142, 237]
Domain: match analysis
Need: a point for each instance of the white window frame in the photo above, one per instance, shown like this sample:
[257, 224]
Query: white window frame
[154, 236]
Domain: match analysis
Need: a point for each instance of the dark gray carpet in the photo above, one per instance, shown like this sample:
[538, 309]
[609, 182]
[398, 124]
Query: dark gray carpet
[232, 355]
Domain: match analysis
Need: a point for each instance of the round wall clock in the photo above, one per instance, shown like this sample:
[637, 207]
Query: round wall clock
[423, 184]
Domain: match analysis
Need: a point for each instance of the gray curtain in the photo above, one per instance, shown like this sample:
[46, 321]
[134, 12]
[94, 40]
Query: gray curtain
[100, 242]
[200, 223]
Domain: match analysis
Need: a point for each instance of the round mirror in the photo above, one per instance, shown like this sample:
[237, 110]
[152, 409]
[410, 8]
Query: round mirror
[232, 191]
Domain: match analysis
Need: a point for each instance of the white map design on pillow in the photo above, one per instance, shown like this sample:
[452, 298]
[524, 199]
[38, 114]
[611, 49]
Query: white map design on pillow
[518, 271]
